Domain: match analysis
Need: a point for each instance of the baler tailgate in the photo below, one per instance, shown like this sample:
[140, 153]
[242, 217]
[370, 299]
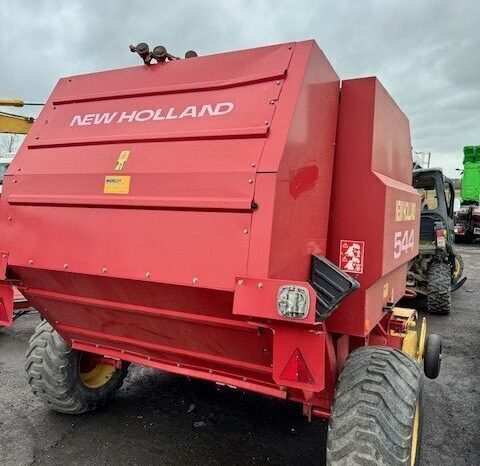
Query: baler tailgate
[158, 155]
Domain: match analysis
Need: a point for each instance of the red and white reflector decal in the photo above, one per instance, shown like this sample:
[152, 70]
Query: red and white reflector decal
[297, 370]
[351, 256]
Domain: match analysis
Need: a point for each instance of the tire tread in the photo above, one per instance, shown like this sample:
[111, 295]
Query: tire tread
[373, 411]
[439, 293]
[50, 365]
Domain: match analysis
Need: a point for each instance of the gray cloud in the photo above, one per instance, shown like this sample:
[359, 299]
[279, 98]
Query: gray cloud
[425, 53]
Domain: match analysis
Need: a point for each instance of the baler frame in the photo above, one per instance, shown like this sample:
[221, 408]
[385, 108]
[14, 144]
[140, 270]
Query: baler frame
[189, 217]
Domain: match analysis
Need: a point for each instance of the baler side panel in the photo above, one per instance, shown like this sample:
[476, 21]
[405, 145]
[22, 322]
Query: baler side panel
[373, 203]
[303, 132]
[391, 134]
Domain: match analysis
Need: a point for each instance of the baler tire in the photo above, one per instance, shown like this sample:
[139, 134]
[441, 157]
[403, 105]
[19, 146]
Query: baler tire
[377, 411]
[53, 374]
[432, 358]
[439, 292]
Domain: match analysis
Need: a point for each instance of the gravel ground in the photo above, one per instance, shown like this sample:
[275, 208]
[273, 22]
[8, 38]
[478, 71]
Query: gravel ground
[168, 420]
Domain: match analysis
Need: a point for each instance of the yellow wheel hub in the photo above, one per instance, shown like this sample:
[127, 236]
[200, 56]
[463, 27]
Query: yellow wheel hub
[98, 376]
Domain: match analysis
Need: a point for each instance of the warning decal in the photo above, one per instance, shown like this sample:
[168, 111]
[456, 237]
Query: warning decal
[122, 160]
[116, 185]
[351, 256]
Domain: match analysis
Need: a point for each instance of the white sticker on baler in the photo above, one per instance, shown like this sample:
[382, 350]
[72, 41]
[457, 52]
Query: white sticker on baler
[351, 256]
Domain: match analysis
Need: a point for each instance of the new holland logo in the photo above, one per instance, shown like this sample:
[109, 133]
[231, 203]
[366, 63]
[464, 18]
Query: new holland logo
[159, 114]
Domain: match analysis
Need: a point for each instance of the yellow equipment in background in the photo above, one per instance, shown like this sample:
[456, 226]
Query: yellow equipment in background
[15, 124]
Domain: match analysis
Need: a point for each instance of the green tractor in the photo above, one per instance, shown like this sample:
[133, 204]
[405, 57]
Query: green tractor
[438, 268]
[467, 218]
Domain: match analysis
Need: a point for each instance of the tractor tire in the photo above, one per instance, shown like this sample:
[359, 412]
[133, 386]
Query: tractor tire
[439, 292]
[469, 237]
[457, 269]
[377, 411]
[54, 374]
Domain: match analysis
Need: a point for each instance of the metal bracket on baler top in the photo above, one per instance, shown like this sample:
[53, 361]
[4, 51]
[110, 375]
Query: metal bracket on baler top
[331, 285]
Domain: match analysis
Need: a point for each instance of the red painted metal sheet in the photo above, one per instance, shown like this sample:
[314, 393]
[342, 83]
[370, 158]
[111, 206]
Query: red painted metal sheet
[287, 232]
[180, 247]
[141, 196]
[374, 204]
[3, 264]
[211, 72]
[258, 298]
[6, 304]
[190, 115]
[289, 344]
[231, 381]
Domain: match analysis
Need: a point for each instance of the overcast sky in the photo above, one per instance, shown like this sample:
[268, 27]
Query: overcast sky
[426, 53]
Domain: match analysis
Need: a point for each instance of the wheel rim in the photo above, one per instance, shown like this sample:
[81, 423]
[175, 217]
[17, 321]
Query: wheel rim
[94, 374]
[457, 269]
[415, 435]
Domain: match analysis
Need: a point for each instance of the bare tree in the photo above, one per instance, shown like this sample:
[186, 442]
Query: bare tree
[9, 142]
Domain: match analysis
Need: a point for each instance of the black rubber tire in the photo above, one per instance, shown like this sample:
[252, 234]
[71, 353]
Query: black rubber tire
[377, 394]
[53, 374]
[459, 258]
[439, 293]
[467, 238]
[433, 356]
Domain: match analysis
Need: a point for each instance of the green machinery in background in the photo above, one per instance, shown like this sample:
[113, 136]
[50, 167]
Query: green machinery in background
[467, 218]
[470, 192]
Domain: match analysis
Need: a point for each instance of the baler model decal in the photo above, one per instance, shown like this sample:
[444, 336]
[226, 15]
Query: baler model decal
[116, 185]
[405, 211]
[351, 256]
[130, 116]
[402, 242]
[122, 160]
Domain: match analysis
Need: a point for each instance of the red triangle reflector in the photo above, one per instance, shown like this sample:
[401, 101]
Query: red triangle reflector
[297, 370]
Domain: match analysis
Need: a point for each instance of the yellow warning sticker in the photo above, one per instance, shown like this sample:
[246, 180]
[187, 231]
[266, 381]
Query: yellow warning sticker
[116, 185]
[122, 160]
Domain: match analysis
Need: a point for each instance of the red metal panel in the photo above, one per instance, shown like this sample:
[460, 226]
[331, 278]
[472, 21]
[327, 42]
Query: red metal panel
[133, 243]
[228, 175]
[310, 346]
[212, 71]
[6, 304]
[181, 174]
[288, 231]
[372, 203]
[141, 318]
[187, 212]
[232, 381]
[207, 114]
[259, 297]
